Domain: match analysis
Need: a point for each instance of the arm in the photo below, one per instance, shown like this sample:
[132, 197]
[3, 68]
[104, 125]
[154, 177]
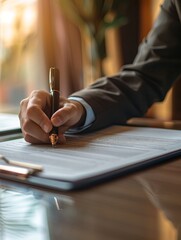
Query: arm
[132, 91]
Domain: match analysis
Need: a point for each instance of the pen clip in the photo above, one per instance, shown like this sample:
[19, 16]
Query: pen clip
[54, 79]
[18, 169]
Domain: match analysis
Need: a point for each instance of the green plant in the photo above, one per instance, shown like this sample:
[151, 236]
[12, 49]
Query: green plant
[94, 18]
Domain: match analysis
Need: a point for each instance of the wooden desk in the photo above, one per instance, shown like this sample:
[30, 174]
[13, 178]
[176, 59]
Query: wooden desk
[145, 205]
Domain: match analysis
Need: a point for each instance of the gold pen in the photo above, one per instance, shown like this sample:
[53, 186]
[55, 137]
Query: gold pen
[55, 94]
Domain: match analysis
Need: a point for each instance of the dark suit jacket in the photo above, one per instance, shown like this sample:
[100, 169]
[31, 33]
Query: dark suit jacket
[137, 86]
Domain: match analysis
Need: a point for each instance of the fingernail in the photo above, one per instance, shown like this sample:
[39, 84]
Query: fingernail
[56, 121]
[47, 128]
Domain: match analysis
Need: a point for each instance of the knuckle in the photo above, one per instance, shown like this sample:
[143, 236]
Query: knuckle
[38, 93]
[72, 107]
[19, 115]
[23, 102]
[30, 110]
[25, 125]
[34, 93]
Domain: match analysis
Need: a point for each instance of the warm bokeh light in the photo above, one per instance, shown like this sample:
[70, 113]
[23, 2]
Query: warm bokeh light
[16, 14]
[29, 19]
[7, 19]
[18, 31]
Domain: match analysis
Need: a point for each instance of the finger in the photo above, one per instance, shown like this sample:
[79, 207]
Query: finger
[35, 111]
[36, 115]
[36, 135]
[41, 99]
[32, 129]
[61, 138]
[62, 129]
[67, 114]
[32, 140]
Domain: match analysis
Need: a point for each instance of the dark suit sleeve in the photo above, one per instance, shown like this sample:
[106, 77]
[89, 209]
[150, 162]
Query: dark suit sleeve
[137, 86]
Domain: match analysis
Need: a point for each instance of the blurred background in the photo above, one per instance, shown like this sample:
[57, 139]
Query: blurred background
[84, 39]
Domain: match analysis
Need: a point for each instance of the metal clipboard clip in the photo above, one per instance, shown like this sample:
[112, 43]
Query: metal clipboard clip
[18, 169]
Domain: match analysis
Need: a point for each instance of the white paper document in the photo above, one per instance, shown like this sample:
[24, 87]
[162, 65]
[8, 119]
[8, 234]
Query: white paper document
[9, 123]
[95, 154]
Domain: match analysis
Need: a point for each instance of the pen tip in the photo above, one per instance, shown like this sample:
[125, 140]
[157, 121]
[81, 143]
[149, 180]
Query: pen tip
[53, 139]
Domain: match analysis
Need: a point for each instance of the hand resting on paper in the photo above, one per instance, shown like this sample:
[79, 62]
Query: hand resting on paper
[36, 122]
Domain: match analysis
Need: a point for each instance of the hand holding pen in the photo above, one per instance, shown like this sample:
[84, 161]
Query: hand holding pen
[55, 95]
[36, 109]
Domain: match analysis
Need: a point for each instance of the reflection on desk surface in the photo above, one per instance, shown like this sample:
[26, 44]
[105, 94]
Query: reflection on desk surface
[163, 188]
[143, 206]
[22, 217]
